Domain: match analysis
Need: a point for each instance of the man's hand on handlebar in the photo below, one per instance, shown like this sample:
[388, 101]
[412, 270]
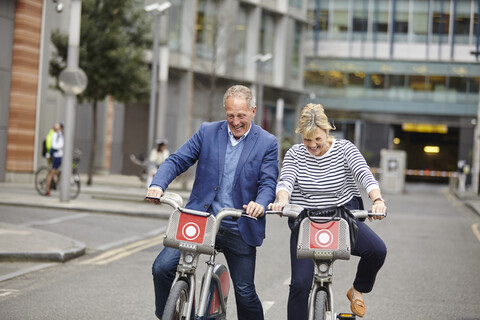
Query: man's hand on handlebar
[254, 209]
[154, 194]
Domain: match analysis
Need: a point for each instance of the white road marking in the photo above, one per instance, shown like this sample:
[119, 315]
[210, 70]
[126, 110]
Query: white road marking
[476, 231]
[125, 251]
[6, 292]
[55, 220]
[121, 242]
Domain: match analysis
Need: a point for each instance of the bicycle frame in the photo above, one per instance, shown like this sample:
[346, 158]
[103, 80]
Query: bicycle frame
[193, 233]
[323, 240]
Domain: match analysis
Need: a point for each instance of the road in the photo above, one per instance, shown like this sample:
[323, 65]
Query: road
[431, 271]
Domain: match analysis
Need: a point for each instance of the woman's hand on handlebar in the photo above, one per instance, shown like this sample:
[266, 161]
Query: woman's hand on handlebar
[378, 207]
[254, 209]
[154, 194]
[277, 206]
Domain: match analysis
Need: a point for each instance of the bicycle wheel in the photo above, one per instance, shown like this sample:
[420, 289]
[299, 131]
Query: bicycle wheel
[320, 305]
[41, 180]
[177, 302]
[74, 184]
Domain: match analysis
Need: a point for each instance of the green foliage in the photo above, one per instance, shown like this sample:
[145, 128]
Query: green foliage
[114, 37]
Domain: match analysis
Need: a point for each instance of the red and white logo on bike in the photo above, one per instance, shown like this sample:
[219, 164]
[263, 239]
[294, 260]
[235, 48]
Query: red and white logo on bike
[191, 228]
[324, 235]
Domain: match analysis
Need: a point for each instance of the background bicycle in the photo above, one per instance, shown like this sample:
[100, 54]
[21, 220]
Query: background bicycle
[42, 174]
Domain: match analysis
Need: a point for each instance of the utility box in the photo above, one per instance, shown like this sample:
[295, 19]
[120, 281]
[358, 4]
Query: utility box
[392, 174]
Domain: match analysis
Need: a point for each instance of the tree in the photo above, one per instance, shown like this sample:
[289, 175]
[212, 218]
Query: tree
[114, 37]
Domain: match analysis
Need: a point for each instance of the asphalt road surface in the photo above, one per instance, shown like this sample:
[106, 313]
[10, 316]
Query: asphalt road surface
[431, 271]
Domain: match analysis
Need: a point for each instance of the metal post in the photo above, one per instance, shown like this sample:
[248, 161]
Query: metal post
[72, 63]
[261, 60]
[153, 85]
[476, 152]
[163, 77]
[157, 9]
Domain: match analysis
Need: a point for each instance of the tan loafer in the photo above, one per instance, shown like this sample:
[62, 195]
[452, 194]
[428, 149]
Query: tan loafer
[358, 305]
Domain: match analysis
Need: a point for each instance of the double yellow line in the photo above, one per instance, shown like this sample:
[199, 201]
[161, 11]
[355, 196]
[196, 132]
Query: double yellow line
[119, 253]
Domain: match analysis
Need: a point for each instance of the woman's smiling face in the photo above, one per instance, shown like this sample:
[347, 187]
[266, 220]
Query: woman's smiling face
[317, 143]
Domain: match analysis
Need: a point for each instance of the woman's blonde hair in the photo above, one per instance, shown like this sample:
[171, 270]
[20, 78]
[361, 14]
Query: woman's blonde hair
[313, 116]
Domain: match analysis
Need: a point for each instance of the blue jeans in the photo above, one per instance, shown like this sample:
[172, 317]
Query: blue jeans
[241, 264]
[369, 247]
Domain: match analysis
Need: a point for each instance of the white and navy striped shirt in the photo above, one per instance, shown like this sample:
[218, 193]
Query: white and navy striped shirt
[327, 180]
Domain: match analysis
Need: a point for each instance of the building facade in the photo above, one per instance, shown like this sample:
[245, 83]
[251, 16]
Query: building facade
[212, 45]
[398, 74]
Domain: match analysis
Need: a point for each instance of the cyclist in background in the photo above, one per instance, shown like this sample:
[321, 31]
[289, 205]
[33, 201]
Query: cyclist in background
[55, 150]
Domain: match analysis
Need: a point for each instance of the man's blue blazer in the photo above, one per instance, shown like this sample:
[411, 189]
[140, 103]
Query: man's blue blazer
[255, 176]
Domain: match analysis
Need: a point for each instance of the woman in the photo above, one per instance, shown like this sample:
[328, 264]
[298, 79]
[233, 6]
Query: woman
[156, 158]
[321, 173]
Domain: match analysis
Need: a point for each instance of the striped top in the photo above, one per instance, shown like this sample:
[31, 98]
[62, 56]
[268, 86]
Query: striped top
[327, 180]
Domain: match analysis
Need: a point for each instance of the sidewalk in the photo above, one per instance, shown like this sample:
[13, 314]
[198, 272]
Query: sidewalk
[114, 194]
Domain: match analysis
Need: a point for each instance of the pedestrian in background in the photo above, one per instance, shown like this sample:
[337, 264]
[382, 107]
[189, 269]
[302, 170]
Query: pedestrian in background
[156, 158]
[56, 154]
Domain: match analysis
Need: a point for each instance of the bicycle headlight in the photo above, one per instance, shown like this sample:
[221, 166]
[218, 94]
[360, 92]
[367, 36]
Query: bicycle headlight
[323, 267]
[188, 258]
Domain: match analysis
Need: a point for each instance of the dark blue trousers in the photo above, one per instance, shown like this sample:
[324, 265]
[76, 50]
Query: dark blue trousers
[369, 247]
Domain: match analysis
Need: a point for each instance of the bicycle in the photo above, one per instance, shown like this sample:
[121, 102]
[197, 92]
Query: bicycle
[42, 173]
[324, 240]
[193, 233]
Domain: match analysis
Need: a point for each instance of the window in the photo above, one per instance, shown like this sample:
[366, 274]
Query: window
[267, 36]
[419, 24]
[240, 42]
[295, 3]
[340, 20]
[207, 25]
[401, 20]
[175, 28]
[295, 66]
[360, 16]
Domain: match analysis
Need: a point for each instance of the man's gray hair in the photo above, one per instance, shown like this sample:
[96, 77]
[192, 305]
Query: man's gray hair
[239, 91]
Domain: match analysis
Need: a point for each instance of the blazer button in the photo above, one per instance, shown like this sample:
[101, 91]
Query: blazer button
[216, 188]
[206, 206]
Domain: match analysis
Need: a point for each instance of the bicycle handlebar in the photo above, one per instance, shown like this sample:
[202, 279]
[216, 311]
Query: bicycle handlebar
[293, 210]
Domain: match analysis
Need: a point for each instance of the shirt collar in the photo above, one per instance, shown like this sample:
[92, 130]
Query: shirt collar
[232, 138]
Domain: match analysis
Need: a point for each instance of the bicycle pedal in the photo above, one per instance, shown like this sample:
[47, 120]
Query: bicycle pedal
[346, 316]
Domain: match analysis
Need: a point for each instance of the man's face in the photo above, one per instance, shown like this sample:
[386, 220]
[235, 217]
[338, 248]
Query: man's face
[239, 116]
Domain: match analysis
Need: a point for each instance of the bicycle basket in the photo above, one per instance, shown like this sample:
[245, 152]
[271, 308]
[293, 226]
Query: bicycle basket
[324, 241]
[191, 231]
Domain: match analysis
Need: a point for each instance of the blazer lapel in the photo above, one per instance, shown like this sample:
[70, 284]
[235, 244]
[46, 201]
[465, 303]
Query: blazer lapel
[247, 149]
[222, 149]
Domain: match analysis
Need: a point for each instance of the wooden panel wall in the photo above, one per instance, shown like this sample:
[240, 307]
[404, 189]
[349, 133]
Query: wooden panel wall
[24, 83]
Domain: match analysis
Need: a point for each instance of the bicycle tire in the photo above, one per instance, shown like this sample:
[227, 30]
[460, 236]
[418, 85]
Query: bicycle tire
[74, 184]
[320, 305]
[41, 180]
[177, 301]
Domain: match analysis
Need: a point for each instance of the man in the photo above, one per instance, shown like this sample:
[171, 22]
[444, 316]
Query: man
[237, 168]
[56, 152]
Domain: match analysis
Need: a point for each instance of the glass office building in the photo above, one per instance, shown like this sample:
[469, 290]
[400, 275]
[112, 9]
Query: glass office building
[398, 74]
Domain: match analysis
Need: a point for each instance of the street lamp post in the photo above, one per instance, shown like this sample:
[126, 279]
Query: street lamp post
[476, 137]
[261, 60]
[72, 81]
[157, 9]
